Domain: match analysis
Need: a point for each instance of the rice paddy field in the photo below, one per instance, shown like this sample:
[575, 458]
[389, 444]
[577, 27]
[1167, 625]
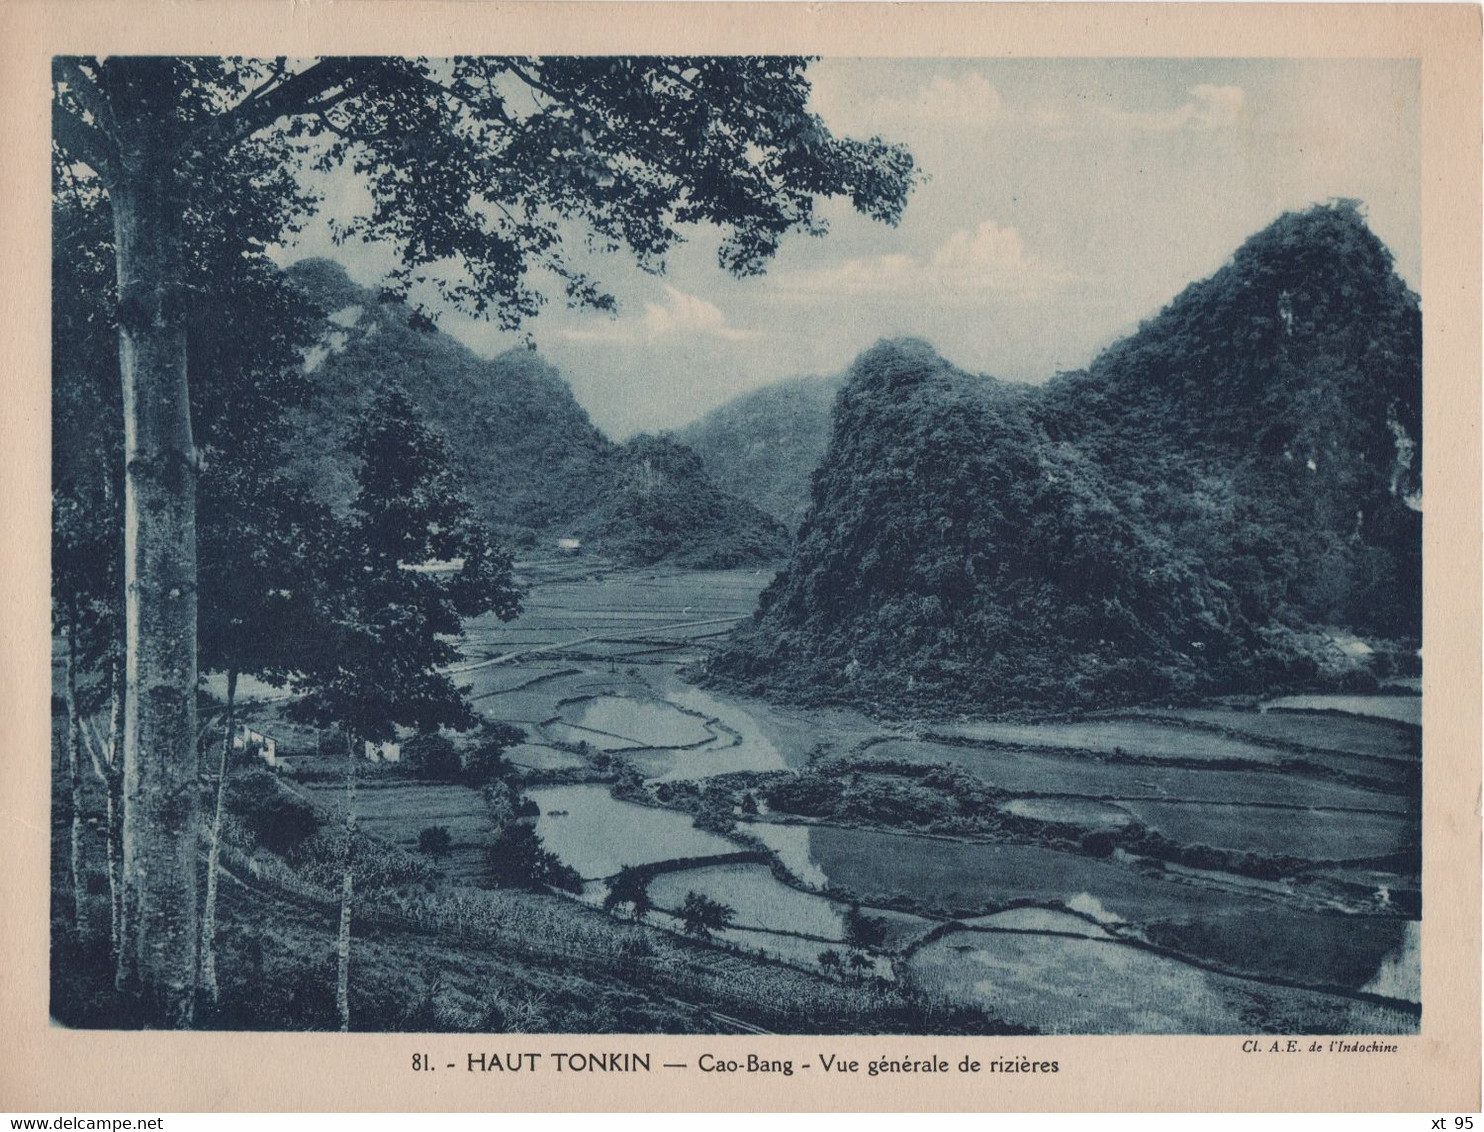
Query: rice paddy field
[1068, 773]
[398, 810]
[1136, 738]
[1320, 835]
[1121, 989]
[1328, 731]
[598, 834]
[1042, 934]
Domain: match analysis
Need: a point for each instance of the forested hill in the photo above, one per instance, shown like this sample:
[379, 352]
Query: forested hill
[528, 456]
[1210, 507]
[1270, 418]
[660, 506]
[765, 445]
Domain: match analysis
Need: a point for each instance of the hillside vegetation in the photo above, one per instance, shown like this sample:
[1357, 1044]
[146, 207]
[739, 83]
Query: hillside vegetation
[1208, 508]
[528, 456]
[764, 445]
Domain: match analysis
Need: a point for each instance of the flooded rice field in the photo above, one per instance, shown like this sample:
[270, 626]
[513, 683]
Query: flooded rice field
[758, 898]
[1116, 737]
[1320, 835]
[1402, 709]
[1191, 870]
[1122, 989]
[1070, 773]
[597, 834]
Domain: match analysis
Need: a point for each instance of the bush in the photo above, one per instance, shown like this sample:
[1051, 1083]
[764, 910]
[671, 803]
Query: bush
[863, 931]
[702, 915]
[277, 819]
[629, 887]
[517, 859]
[433, 756]
[483, 761]
[435, 841]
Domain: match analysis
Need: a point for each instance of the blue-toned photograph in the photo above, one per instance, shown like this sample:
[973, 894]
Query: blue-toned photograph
[736, 545]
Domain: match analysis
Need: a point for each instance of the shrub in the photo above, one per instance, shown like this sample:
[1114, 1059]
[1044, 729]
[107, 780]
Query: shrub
[517, 859]
[433, 756]
[435, 841]
[702, 915]
[629, 887]
[863, 931]
[484, 760]
[278, 819]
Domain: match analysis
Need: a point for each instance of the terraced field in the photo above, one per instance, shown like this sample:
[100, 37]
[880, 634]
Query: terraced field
[1121, 989]
[1075, 774]
[1327, 731]
[1320, 835]
[1402, 709]
[398, 810]
[1058, 937]
[598, 834]
[1136, 738]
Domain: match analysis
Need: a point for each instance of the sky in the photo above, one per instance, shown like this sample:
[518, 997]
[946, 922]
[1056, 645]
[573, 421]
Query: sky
[1063, 202]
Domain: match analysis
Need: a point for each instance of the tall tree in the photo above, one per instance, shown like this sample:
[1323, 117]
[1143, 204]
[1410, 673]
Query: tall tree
[263, 579]
[413, 564]
[87, 527]
[473, 162]
[247, 327]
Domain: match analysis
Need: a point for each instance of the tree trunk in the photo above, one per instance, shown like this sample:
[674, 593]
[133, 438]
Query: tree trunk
[342, 972]
[74, 773]
[214, 856]
[113, 785]
[160, 826]
[116, 808]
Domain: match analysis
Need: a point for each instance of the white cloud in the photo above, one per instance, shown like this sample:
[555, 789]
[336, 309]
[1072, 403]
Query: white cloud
[1210, 107]
[972, 96]
[969, 98]
[987, 259]
[680, 315]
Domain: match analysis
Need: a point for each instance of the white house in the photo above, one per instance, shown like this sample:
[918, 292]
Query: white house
[246, 739]
[383, 752]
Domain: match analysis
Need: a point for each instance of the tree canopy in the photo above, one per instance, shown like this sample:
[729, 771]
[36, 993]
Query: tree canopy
[474, 167]
[413, 564]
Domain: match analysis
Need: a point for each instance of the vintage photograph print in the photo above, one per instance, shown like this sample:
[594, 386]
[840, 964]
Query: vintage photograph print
[737, 544]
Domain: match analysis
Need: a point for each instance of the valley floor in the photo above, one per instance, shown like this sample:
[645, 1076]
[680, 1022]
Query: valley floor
[1229, 869]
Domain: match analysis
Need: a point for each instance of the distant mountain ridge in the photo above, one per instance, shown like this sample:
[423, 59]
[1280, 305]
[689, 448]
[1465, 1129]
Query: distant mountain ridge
[1201, 511]
[764, 445]
[528, 456]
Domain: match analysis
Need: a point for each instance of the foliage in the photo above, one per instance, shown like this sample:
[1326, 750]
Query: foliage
[278, 819]
[483, 760]
[764, 446]
[1164, 526]
[374, 865]
[458, 170]
[630, 886]
[399, 616]
[531, 462]
[862, 930]
[660, 505]
[953, 554]
[265, 563]
[517, 859]
[435, 841]
[1269, 420]
[701, 916]
[87, 445]
[432, 756]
